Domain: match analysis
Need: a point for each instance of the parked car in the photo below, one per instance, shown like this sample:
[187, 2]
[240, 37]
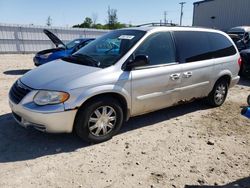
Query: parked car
[61, 50]
[242, 31]
[240, 36]
[96, 89]
[239, 42]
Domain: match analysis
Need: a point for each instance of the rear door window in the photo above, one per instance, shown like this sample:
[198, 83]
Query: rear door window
[192, 46]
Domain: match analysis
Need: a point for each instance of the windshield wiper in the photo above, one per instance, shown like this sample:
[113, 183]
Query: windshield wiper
[87, 57]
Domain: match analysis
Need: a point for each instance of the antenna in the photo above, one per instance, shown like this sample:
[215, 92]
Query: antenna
[182, 5]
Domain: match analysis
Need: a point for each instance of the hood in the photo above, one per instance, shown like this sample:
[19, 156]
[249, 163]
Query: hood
[52, 50]
[53, 38]
[56, 75]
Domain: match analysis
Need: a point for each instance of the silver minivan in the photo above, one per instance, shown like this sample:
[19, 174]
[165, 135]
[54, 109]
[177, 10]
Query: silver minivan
[125, 73]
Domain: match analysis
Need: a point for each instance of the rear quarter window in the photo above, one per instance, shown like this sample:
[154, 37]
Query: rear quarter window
[195, 46]
[221, 45]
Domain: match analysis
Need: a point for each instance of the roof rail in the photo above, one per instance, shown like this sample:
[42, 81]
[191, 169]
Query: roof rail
[157, 24]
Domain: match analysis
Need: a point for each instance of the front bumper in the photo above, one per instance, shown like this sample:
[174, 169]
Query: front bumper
[39, 61]
[50, 121]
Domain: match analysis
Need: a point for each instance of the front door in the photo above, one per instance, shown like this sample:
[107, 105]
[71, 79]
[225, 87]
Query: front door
[155, 86]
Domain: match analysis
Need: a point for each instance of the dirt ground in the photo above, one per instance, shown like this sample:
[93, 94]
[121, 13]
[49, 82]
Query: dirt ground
[190, 145]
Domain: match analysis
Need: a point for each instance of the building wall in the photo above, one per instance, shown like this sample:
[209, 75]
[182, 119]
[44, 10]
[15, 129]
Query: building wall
[227, 13]
[31, 39]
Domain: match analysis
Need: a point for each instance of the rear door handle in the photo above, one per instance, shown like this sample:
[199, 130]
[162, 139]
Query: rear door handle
[175, 76]
[187, 74]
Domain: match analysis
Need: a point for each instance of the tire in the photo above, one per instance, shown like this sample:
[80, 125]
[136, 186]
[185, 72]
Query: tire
[99, 120]
[248, 100]
[219, 93]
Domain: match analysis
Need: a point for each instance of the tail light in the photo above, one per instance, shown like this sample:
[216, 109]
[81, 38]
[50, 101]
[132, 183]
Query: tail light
[240, 61]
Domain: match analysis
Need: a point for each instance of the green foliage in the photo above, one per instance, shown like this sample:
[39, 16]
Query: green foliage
[112, 22]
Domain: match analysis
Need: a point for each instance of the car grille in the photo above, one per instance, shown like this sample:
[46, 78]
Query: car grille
[18, 91]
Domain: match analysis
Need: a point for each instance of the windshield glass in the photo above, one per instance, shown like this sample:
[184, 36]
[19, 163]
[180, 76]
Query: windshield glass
[108, 49]
[73, 43]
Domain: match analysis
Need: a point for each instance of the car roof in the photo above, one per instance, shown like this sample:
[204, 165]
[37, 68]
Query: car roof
[240, 29]
[172, 28]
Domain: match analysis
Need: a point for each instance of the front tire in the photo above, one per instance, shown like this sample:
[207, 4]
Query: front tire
[99, 120]
[219, 93]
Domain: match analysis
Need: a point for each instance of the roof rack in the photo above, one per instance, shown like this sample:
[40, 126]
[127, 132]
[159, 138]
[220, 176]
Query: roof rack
[157, 24]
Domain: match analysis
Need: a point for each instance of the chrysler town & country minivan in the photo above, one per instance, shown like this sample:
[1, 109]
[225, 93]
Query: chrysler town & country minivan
[125, 73]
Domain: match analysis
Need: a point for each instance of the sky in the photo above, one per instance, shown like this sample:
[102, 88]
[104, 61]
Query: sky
[71, 12]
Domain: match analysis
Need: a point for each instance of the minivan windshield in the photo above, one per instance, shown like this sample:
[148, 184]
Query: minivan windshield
[108, 49]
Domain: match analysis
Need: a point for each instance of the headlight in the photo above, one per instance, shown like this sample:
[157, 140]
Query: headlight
[45, 55]
[50, 97]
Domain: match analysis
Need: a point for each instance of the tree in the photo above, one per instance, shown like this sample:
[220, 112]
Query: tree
[49, 21]
[94, 18]
[87, 23]
[112, 18]
[112, 21]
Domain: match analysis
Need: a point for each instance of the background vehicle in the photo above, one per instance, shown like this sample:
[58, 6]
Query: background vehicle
[240, 36]
[62, 50]
[242, 31]
[126, 73]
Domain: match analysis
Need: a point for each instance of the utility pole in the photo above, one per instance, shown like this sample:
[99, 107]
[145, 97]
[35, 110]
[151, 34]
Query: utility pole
[182, 4]
[165, 17]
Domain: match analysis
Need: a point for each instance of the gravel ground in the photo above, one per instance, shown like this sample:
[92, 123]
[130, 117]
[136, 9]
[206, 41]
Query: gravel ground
[189, 145]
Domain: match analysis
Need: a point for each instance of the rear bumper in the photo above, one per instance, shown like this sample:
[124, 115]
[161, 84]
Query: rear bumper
[234, 81]
[52, 122]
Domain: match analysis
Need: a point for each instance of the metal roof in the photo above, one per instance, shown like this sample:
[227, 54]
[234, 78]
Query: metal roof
[204, 1]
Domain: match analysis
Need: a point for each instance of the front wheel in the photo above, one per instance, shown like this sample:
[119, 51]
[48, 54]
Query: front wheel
[219, 93]
[99, 120]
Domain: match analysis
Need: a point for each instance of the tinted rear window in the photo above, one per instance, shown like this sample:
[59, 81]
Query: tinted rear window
[197, 46]
[192, 46]
[221, 46]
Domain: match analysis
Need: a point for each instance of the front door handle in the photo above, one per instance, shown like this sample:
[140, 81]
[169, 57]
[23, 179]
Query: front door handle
[187, 74]
[175, 76]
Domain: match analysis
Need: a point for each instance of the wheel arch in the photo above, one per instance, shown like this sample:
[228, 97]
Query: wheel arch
[115, 95]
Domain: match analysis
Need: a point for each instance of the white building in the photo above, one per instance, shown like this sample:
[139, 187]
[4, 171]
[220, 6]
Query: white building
[221, 14]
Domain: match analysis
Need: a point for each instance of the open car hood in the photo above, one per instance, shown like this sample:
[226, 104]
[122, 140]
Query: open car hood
[53, 38]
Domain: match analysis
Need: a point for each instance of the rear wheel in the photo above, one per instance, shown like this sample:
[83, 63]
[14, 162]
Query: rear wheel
[219, 93]
[99, 120]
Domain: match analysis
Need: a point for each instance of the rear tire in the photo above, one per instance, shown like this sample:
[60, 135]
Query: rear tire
[99, 120]
[219, 93]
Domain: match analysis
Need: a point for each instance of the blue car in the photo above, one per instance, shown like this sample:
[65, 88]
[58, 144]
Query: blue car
[61, 50]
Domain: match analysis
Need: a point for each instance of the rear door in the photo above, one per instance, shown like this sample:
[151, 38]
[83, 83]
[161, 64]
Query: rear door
[155, 86]
[194, 54]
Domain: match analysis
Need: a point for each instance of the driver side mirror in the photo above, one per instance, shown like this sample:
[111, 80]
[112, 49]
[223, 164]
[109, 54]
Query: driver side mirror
[138, 61]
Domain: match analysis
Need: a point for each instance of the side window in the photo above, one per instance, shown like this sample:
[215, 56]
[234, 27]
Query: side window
[159, 48]
[192, 46]
[221, 46]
